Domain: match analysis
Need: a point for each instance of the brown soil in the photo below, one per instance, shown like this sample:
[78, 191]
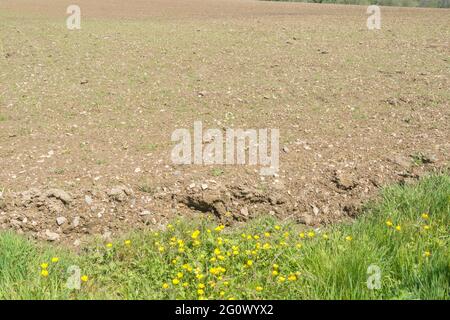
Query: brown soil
[86, 116]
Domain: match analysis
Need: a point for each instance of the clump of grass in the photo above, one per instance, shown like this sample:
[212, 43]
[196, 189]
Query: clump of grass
[100, 162]
[402, 241]
[216, 172]
[59, 171]
[2, 118]
[145, 187]
[148, 147]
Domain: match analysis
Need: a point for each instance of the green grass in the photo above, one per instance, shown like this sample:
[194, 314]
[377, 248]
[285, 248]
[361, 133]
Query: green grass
[321, 264]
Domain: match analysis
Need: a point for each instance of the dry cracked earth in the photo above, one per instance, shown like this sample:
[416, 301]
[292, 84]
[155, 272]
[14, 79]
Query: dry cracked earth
[86, 116]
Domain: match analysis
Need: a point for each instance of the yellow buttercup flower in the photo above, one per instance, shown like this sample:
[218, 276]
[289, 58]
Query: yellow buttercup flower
[249, 263]
[427, 254]
[217, 270]
[201, 286]
[127, 242]
[398, 228]
[180, 275]
[199, 276]
[281, 279]
[267, 234]
[200, 292]
[301, 235]
[389, 223]
[292, 277]
[84, 278]
[44, 273]
[55, 259]
[175, 281]
[165, 285]
[222, 293]
[195, 234]
[44, 265]
[298, 245]
[348, 238]
[426, 227]
[216, 251]
[325, 237]
[109, 245]
[219, 228]
[277, 227]
[275, 266]
[274, 272]
[259, 289]
[425, 216]
[311, 234]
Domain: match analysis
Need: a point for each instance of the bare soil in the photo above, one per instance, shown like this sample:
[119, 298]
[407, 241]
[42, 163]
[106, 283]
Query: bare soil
[86, 116]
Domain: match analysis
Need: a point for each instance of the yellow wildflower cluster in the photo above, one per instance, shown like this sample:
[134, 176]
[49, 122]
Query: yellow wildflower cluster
[212, 264]
[390, 224]
[44, 266]
[219, 228]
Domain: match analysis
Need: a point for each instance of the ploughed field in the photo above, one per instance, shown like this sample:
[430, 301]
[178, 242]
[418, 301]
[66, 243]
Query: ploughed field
[86, 116]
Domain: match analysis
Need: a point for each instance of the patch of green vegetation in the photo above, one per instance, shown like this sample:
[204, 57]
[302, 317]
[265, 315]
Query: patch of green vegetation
[149, 147]
[59, 171]
[100, 162]
[2, 118]
[403, 239]
[146, 187]
[419, 159]
[216, 172]
[396, 3]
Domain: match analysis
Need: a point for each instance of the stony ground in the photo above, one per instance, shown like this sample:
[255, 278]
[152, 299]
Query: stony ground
[86, 116]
